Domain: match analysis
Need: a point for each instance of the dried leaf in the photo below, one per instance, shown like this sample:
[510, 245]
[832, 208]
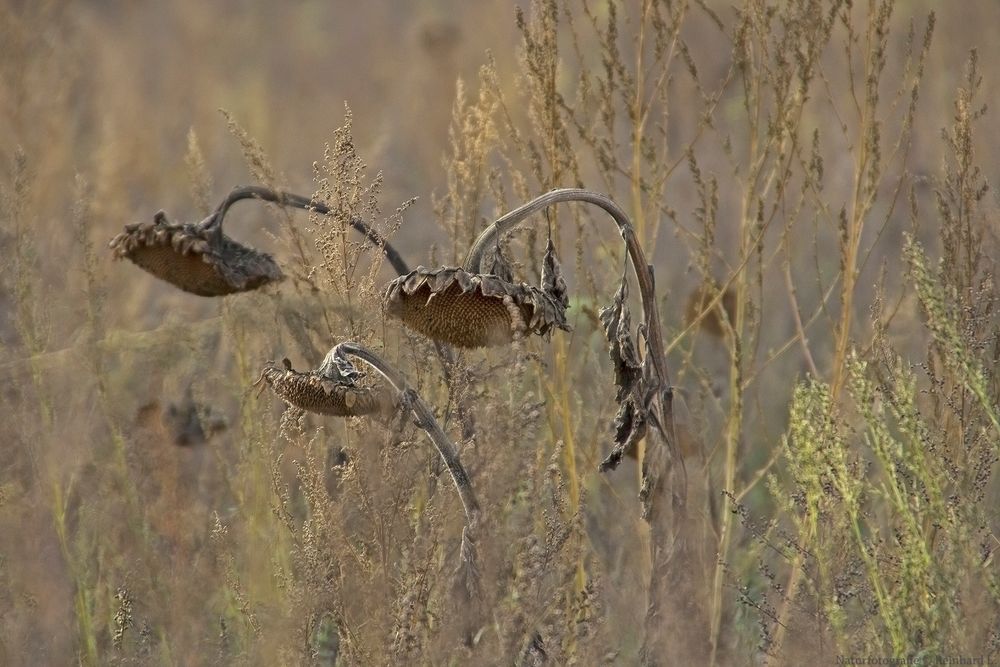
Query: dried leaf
[630, 427]
[636, 380]
[617, 323]
[552, 279]
[500, 267]
[631, 377]
[337, 367]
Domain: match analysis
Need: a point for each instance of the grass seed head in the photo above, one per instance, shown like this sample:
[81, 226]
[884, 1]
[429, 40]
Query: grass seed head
[199, 259]
[470, 310]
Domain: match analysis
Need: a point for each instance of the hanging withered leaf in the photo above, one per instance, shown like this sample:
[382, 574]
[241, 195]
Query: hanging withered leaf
[500, 266]
[552, 279]
[632, 420]
[331, 389]
[630, 428]
[617, 321]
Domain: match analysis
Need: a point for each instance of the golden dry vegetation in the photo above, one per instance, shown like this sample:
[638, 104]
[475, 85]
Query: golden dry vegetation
[810, 182]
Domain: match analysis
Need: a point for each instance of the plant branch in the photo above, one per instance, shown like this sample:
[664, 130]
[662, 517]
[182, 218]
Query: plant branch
[425, 420]
[214, 221]
[643, 271]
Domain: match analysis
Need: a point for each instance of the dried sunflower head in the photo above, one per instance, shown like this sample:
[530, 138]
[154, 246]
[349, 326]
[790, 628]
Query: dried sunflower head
[331, 389]
[198, 258]
[467, 309]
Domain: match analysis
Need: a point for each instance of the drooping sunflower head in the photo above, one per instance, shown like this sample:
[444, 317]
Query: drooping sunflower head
[328, 390]
[197, 258]
[471, 310]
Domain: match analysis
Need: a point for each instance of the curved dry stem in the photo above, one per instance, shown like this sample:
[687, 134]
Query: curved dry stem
[664, 479]
[466, 583]
[214, 221]
[425, 420]
[643, 271]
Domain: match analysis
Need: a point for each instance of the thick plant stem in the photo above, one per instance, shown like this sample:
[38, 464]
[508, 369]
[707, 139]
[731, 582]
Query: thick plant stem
[466, 585]
[664, 480]
[214, 221]
[425, 420]
[643, 272]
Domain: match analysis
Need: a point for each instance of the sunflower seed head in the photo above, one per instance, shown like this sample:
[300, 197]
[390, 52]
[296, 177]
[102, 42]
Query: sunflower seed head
[197, 260]
[324, 393]
[470, 310]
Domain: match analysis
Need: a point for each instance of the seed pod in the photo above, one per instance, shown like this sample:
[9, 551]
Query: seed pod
[327, 390]
[194, 257]
[470, 310]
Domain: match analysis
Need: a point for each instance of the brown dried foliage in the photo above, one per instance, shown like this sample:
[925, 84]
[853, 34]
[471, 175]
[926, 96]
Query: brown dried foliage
[774, 157]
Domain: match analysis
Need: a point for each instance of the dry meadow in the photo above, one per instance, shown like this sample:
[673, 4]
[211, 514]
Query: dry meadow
[805, 473]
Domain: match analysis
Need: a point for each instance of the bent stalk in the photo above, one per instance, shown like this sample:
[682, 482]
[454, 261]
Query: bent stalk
[214, 221]
[671, 553]
[424, 419]
[643, 271]
[399, 265]
[466, 584]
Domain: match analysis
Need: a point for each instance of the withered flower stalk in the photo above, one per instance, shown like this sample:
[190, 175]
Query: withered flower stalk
[644, 389]
[199, 258]
[469, 307]
[643, 271]
[332, 389]
[644, 392]
[424, 419]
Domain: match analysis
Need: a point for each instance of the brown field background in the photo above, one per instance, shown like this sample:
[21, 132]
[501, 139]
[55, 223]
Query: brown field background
[155, 510]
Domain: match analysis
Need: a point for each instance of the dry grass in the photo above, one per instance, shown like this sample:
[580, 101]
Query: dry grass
[809, 180]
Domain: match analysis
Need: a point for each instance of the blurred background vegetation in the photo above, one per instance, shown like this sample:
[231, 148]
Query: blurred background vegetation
[809, 179]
